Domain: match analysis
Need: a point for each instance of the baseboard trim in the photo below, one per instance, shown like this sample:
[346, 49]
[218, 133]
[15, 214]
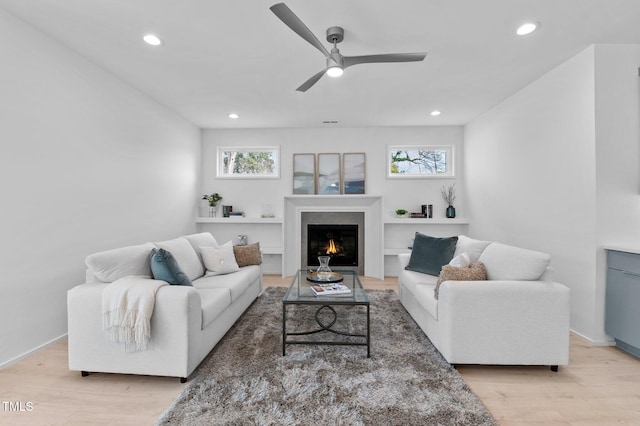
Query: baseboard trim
[594, 342]
[31, 352]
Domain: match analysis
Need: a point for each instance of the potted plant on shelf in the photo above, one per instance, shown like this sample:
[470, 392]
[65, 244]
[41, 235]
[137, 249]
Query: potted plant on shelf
[449, 195]
[401, 213]
[213, 202]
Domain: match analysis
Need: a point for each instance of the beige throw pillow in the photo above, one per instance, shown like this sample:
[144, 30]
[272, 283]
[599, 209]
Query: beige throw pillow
[475, 272]
[248, 255]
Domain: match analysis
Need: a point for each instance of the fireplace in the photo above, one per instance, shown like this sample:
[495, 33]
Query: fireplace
[340, 242]
[339, 232]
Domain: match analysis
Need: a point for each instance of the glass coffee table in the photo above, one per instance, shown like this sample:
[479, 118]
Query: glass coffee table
[327, 318]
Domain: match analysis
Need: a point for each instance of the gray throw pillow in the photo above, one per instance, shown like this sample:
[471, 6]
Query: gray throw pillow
[430, 254]
[164, 267]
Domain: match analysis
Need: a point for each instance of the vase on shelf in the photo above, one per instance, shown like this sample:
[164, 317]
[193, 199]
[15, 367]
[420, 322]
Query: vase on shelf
[323, 270]
[451, 212]
[212, 211]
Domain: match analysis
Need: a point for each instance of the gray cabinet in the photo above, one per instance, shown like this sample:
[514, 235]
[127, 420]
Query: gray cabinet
[622, 315]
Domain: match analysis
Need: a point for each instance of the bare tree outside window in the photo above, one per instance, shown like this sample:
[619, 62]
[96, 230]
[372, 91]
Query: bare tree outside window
[418, 161]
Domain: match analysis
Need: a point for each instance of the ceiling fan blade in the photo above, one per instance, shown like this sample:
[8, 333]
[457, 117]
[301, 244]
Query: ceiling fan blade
[389, 57]
[292, 21]
[313, 80]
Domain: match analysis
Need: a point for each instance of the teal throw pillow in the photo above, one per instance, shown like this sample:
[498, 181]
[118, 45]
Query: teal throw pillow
[164, 267]
[430, 254]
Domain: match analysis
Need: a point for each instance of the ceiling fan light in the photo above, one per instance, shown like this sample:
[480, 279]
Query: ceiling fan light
[335, 71]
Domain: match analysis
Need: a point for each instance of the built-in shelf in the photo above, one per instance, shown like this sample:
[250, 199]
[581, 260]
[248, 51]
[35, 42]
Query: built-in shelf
[239, 219]
[271, 250]
[396, 251]
[425, 221]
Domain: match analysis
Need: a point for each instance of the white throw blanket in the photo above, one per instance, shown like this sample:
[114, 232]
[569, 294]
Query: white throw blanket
[127, 306]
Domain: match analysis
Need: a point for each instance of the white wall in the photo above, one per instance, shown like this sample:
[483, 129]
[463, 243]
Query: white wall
[618, 156]
[250, 195]
[86, 164]
[555, 168]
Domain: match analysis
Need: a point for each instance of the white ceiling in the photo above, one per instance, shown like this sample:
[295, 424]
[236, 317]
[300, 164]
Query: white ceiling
[227, 56]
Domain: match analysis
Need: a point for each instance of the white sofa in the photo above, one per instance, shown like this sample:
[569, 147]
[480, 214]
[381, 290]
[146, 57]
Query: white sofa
[187, 321]
[517, 317]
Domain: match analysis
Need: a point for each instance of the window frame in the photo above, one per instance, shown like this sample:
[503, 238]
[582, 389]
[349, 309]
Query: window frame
[449, 149]
[270, 149]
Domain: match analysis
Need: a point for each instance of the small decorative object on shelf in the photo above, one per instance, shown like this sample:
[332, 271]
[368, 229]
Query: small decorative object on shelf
[401, 213]
[267, 211]
[242, 240]
[427, 210]
[449, 195]
[226, 211]
[213, 202]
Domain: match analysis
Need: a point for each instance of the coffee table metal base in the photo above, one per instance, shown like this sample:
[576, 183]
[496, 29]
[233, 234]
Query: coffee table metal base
[324, 327]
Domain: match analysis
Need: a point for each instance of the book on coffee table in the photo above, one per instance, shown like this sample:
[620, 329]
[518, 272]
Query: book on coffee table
[334, 289]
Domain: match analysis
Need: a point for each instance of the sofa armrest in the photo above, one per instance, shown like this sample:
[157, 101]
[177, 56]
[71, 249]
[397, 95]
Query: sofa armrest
[403, 260]
[175, 327]
[496, 312]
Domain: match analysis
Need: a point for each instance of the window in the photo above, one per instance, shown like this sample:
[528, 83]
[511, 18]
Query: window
[419, 161]
[249, 162]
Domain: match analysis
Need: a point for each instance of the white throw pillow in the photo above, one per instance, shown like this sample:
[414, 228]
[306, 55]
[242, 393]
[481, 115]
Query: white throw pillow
[186, 256]
[219, 260]
[110, 265]
[202, 239]
[472, 247]
[504, 262]
[463, 260]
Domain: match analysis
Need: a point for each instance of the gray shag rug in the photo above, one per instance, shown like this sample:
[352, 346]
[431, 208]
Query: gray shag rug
[245, 380]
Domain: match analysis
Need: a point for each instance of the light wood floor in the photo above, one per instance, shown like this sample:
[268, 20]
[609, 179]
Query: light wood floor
[601, 386]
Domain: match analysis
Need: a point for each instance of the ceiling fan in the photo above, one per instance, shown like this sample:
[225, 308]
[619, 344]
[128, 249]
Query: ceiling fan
[336, 62]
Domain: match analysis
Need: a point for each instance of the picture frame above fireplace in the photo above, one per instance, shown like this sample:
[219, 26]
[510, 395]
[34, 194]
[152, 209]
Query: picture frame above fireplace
[328, 176]
[304, 173]
[353, 172]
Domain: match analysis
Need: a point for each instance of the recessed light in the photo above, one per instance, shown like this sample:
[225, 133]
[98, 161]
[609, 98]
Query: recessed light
[152, 39]
[527, 28]
[234, 115]
[435, 113]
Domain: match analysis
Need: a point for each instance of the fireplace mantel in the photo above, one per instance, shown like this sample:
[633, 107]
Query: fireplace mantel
[371, 206]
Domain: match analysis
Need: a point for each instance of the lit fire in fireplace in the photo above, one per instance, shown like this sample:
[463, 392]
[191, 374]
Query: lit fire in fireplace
[332, 248]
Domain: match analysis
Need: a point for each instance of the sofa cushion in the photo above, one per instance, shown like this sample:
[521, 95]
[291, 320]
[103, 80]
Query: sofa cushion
[164, 267]
[463, 260]
[203, 239]
[237, 283]
[472, 247]
[214, 301]
[429, 254]
[219, 260]
[411, 279]
[248, 255]
[424, 294]
[475, 272]
[111, 265]
[185, 255]
[504, 262]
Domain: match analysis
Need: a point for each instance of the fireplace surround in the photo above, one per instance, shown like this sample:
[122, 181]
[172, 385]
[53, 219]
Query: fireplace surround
[372, 230]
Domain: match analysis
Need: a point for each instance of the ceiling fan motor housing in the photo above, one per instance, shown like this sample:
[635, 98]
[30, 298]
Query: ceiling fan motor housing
[335, 34]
